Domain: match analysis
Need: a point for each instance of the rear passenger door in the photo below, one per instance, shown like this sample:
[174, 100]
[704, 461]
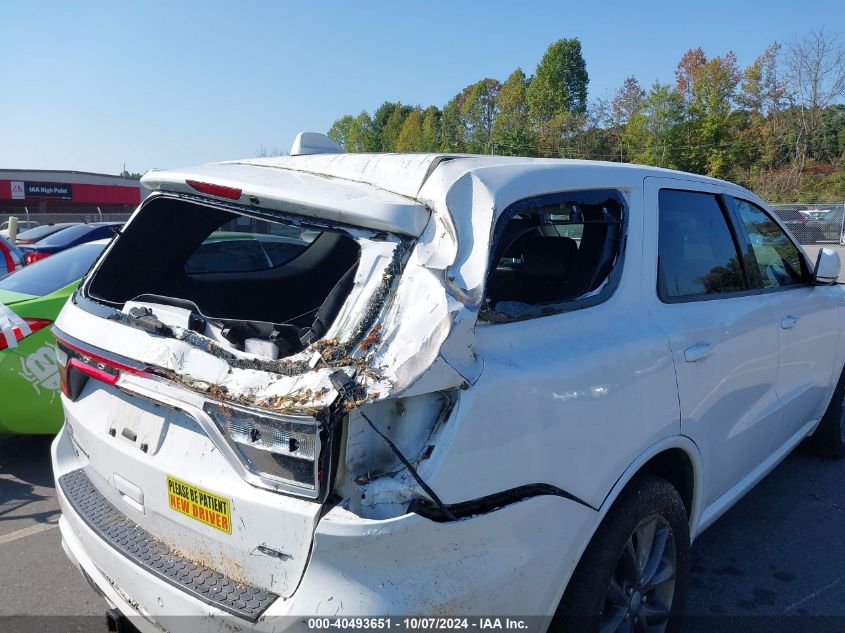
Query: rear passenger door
[721, 328]
[805, 317]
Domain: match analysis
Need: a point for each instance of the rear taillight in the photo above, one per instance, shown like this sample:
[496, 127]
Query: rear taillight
[232, 193]
[34, 326]
[285, 451]
[31, 258]
[77, 365]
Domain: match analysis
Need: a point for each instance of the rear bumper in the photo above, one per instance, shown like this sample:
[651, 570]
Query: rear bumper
[511, 562]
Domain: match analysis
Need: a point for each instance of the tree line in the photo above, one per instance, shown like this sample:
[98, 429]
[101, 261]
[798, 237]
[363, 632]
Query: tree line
[777, 125]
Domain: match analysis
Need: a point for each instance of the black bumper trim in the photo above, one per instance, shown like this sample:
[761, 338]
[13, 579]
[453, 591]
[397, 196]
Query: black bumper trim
[139, 546]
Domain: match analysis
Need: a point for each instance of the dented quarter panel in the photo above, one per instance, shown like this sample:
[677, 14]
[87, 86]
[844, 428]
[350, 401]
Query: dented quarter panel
[527, 542]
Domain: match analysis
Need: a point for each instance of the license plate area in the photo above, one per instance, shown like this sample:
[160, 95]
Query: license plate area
[143, 429]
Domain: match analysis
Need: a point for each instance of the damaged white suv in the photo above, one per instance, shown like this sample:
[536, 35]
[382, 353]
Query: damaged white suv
[432, 385]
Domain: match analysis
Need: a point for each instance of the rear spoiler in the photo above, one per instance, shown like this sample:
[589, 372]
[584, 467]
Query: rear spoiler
[296, 192]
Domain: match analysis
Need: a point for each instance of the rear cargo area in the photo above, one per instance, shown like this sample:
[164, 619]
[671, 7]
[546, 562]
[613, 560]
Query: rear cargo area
[239, 277]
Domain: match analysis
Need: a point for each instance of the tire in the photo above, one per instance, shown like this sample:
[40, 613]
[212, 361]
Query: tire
[829, 438]
[605, 574]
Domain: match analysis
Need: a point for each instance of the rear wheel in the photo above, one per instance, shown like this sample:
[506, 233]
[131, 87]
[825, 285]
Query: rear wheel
[633, 575]
[829, 438]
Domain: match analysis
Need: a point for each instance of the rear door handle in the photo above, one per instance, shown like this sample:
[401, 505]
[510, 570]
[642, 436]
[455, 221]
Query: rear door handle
[697, 352]
[789, 322]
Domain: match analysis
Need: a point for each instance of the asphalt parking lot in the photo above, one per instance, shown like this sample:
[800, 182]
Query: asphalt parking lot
[779, 552]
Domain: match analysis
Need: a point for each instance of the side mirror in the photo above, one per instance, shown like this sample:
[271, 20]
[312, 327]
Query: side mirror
[827, 267]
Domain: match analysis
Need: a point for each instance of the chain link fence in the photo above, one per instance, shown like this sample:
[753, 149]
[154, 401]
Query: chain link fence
[814, 223]
[37, 219]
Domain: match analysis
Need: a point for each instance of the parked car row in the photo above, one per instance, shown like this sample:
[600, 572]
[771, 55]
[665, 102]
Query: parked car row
[815, 226]
[40, 241]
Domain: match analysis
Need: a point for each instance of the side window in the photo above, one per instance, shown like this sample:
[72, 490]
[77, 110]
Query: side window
[778, 259]
[552, 250]
[697, 254]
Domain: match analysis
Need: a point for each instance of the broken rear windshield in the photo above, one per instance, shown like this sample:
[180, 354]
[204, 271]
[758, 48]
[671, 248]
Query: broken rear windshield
[247, 279]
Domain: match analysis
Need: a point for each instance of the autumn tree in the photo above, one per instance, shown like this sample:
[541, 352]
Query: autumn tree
[708, 88]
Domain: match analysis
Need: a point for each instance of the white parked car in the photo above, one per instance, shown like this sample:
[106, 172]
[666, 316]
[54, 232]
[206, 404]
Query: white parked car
[463, 385]
[23, 225]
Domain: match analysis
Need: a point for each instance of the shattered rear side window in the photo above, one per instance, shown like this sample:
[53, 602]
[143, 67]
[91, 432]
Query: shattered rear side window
[253, 285]
[554, 253]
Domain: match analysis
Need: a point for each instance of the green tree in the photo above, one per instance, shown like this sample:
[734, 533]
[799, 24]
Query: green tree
[410, 134]
[478, 111]
[653, 134]
[627, 103]
[339, 131]
[452, 128]
[362, 136]
[390, 133]
[430, 134]
[512, 134]
[560, 83]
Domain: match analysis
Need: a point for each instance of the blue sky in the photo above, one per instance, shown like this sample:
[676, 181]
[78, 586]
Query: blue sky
[91, 86]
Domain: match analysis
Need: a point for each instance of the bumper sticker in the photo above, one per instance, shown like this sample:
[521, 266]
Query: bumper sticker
[201, 505]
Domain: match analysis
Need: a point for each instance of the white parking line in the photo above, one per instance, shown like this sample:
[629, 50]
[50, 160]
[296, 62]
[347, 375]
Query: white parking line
[32, 529]
[809, 597]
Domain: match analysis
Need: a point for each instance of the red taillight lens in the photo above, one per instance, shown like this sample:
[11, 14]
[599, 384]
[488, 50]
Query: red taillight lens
[220, 191]
[72, 359]
[34, 326]
[31, 258]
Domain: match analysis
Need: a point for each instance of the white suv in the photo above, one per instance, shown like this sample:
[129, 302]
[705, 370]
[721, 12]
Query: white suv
[436, 385]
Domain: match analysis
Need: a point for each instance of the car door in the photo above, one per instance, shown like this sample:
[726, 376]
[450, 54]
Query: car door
[722, 331]
[805, 316]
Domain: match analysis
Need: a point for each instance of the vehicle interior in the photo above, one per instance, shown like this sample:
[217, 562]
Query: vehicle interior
[289, 286]
[556, 251]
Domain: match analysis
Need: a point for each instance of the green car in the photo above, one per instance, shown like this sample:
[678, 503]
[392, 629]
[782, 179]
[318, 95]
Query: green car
[29, 376]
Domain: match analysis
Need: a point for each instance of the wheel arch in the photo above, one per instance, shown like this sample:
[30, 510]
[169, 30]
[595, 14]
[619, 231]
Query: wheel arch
[676, 459]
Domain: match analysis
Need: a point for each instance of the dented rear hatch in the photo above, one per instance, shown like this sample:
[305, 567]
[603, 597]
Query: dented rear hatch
[197, 354]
